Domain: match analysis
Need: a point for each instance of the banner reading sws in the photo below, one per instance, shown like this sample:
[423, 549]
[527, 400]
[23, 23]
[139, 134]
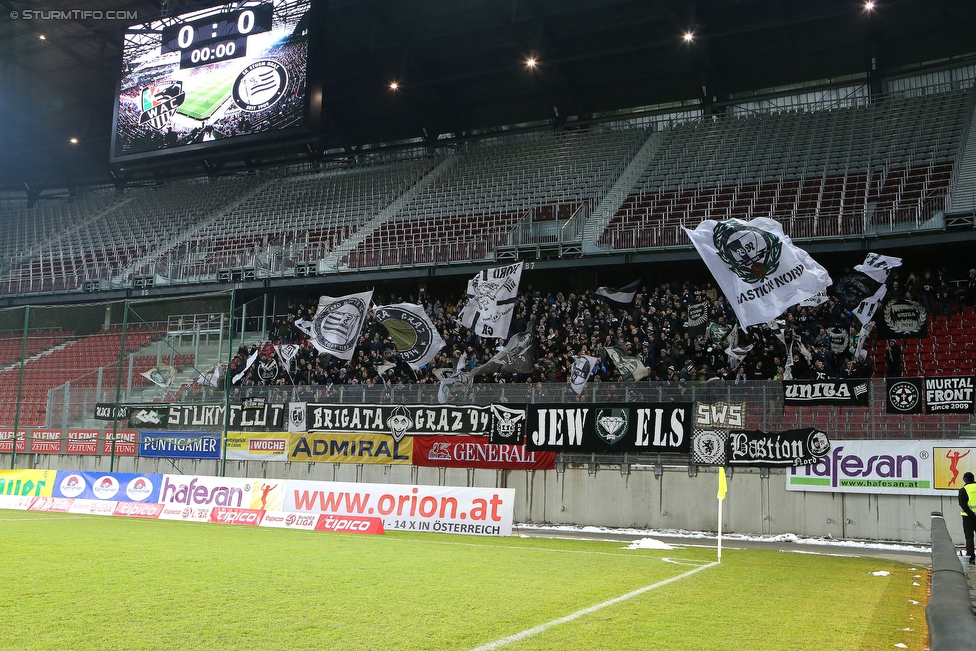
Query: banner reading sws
[443, 509]
[650, 427]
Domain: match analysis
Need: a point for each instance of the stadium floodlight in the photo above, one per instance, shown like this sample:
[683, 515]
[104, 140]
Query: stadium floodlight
[394, 85]
[531, 62]
[688, 37]
[869, 5]
[42, 37]
[73, 141]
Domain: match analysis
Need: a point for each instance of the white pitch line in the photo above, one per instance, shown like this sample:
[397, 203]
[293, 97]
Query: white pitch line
[586, 611]
[51, 519]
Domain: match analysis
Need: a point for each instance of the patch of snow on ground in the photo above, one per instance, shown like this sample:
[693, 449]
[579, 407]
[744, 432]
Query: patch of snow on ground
[648, 543]
[882, 573]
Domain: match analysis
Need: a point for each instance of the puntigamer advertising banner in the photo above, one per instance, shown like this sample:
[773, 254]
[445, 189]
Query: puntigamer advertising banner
[664, 427]
[888, 468]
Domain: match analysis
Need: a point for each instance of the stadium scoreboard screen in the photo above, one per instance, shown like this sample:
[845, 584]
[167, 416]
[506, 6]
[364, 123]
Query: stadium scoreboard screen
[232, 73]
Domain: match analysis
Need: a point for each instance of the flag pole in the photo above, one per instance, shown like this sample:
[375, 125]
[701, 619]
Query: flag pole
[723, 488]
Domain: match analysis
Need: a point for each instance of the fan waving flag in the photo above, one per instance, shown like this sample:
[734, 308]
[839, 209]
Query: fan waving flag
[517, 356]
[491, 301]
[413, 333]
[583, 367]
[623, 295]
[760, 270]
[336, 325]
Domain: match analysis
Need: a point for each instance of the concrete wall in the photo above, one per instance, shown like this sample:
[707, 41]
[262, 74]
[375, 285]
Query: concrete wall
[757, 502]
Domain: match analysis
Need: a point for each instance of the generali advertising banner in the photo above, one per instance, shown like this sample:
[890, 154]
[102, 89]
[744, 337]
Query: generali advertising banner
[664, 427]
[477, 452]
[888, 468]
[350, 448]
[442, 509]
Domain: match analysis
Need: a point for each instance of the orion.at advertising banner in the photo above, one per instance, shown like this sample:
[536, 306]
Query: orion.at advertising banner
[180, 445]
[477, 452]
[350, 448]
[795, 447]
[115, 486]
[442, 509]
[27, 483]
[650, 427]
[180, 417]
[7, 441]
[206, 492]
[895, 467]
[250, 446]
[399, 421]
[852, 393]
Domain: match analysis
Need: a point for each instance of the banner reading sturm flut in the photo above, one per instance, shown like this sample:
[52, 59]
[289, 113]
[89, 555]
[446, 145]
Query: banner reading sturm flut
[651, 427]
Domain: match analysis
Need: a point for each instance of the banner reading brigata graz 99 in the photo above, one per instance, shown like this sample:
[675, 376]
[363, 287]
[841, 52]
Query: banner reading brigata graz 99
[646, 427]
[443, 509]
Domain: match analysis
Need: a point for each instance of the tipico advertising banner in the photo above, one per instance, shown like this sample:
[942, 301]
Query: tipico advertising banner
[442, 509]
[200, 492]
[350, 448]
[249, 446]
[105, 486]
[477, 452]
[888, 467]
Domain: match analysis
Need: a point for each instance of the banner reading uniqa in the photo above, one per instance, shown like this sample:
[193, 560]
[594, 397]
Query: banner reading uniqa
[888, 468]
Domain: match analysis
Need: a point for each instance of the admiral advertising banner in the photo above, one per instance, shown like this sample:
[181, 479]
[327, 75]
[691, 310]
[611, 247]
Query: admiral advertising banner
[349, 448]
[180, 445]
[400, 420]
[108, 486]
[179, 417]
[904, 395]
[250, 446]
[852, 393]
[203, 492]
[441, 509]
[651, 427]
[949, 395]
[796, 447]
[889, 468]
[476, 452]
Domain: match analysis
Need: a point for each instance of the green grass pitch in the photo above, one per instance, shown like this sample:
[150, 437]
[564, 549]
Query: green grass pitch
[202, 100]
[88, 582]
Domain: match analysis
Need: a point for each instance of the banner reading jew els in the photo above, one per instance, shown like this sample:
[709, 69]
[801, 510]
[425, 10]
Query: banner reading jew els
[757, 266]
[664, 427]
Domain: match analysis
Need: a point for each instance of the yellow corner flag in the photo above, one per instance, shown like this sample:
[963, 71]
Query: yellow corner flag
[723, 485]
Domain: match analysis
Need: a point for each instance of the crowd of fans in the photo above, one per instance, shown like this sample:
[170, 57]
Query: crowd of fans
[818, 342]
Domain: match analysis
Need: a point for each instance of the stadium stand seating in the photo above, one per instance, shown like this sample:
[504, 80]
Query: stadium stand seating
[864, 166]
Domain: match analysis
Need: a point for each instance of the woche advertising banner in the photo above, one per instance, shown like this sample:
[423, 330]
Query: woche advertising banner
[888, 468]
[442, 509]
[249, 446]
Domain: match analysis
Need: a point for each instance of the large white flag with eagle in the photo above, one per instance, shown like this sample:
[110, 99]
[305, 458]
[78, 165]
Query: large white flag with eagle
[760, 270]
[491, 301]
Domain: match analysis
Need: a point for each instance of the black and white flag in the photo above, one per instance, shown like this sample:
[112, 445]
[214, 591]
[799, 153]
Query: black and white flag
[286, 353]
[516, 356]
[491, 301]
[455, 383]
[878, 266]
[336, 325]
[902, 318]
[583, 367]
[210, 378]
[623, 295]
[904, 395]
[758, 267]
[247, 366]
[268, 370]
[161, 375]
[630, 367]
[412, 331]
[697, 319]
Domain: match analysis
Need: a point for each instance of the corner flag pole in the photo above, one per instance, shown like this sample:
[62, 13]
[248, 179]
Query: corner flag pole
[723, 488]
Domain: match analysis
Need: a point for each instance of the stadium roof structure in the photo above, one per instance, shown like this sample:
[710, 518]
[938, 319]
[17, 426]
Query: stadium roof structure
[462, 67]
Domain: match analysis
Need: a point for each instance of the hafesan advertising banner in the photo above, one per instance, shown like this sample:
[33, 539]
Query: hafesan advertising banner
[888, 468]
